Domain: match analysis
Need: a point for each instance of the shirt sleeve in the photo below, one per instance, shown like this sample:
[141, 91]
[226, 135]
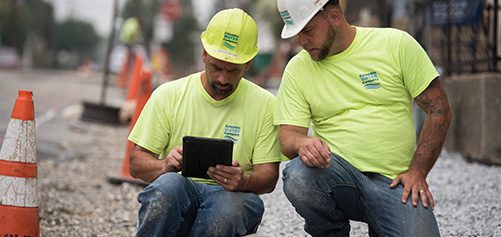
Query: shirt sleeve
[417, 69]
[292, 106]
[151, 130]
[267, 149]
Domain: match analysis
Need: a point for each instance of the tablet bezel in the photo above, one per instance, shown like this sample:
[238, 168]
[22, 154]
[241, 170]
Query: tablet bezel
[199, 153]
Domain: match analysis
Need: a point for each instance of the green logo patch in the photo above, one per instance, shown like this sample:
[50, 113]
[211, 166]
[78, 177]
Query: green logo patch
[232, 132]
[370, 80]
[230, 41]
[287, 18]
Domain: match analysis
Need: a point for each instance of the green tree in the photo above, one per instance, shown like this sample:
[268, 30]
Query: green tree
[43, 23]
[14, 24]
[77, 37]
[181, 46]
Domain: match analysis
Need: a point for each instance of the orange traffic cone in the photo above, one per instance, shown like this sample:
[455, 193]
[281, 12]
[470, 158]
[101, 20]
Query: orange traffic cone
[18, 172]
[135, 81]
[144, 91]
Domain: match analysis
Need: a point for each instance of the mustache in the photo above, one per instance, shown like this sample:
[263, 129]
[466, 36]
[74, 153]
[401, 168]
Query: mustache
[222, 89]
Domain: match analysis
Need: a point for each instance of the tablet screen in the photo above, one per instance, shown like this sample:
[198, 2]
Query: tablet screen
[199, 153]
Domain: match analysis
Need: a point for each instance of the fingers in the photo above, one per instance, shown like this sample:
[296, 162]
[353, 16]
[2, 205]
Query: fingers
[430, 198]
[220, 179]
[395, 182]
[312, 160]
[426, 198]
[415, 196]
[315, 153]
[229, 177]
[415, 187]
[405, 194]
[418, 193]
[235, 163]
[174, 159]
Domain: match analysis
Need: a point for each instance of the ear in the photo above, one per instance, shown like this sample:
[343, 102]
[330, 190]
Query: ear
[334, 15]
[248, 65]
[204, 56]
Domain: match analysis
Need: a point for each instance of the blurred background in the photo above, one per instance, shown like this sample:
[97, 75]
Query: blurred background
[86, 63]
[460, 35]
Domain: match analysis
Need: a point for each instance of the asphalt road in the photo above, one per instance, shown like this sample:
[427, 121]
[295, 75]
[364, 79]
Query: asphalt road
[56, 95]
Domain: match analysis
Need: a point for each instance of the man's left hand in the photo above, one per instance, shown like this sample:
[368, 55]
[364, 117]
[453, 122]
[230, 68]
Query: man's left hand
[415, 185]
[230, 177]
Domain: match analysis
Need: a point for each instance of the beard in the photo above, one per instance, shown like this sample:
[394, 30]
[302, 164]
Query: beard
[324, 50]
[220, 89]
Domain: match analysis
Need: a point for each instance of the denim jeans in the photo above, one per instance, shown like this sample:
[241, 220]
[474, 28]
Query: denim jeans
[173, 205]
[328, 198]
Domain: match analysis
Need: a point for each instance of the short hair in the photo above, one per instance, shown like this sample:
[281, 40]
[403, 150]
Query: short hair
[332, 2]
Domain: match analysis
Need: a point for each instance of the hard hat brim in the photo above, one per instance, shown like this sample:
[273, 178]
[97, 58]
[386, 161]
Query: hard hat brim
[225, 55]
[291, 31]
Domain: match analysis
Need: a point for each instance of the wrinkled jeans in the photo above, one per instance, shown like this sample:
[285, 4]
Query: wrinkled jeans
[173, 205]
[328, 198]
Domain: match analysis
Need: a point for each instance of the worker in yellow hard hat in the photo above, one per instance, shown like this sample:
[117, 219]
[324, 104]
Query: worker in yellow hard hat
[216, 103]
[130, 33]
[130, 36]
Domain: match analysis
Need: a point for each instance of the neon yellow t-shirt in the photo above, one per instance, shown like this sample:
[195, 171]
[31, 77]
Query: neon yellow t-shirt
[359, 101]
[183, 107]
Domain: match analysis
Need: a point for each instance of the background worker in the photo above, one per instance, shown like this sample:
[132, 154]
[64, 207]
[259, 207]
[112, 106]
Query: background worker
[217, 103]
[356, 86]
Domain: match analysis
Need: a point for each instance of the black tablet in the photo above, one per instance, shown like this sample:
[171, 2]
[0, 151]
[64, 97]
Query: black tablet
[201, 152]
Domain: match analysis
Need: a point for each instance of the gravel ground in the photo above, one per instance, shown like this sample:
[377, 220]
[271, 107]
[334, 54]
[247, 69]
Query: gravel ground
[76, 200]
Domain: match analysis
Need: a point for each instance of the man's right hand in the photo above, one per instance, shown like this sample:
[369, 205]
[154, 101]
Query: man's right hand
[174, 160]
[314, 152]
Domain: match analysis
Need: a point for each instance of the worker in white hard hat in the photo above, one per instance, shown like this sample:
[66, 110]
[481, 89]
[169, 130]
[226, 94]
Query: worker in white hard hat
[355, 86]
[217, 103]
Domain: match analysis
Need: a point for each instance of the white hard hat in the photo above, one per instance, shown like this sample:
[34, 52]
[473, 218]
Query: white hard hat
[297, 13]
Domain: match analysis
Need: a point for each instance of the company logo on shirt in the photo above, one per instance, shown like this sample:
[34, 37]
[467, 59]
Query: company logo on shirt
[232, 132]
[370, 80]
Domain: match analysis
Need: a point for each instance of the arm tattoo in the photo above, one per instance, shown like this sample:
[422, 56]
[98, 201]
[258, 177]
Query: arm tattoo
[433, 101]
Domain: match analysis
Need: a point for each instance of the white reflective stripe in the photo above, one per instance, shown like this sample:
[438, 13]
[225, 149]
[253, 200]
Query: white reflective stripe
[19, 143]
[19, 192]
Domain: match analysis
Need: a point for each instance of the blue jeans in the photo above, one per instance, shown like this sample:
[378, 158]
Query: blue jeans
[173, 205]
[329, 198]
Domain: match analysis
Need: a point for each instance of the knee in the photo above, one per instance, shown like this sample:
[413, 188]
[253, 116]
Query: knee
[298, 179]
[241, 215]
[238, 204]
[160, 190]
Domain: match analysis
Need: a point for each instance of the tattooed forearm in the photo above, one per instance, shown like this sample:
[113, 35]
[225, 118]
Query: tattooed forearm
[433, 101]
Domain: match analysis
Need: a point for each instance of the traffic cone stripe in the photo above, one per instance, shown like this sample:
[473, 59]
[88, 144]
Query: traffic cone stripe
[19, 142]
[20, 221]
[19, 192]
[23, 108]
[18, 169]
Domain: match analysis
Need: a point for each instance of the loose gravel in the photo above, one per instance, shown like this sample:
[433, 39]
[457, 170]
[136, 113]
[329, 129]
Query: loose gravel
[75, 198]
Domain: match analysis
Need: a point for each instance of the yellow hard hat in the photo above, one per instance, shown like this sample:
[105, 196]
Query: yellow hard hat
[131, 31]
[231, 36]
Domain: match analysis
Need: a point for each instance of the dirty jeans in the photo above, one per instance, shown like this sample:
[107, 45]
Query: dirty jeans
[173, 205]
[328, 198]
